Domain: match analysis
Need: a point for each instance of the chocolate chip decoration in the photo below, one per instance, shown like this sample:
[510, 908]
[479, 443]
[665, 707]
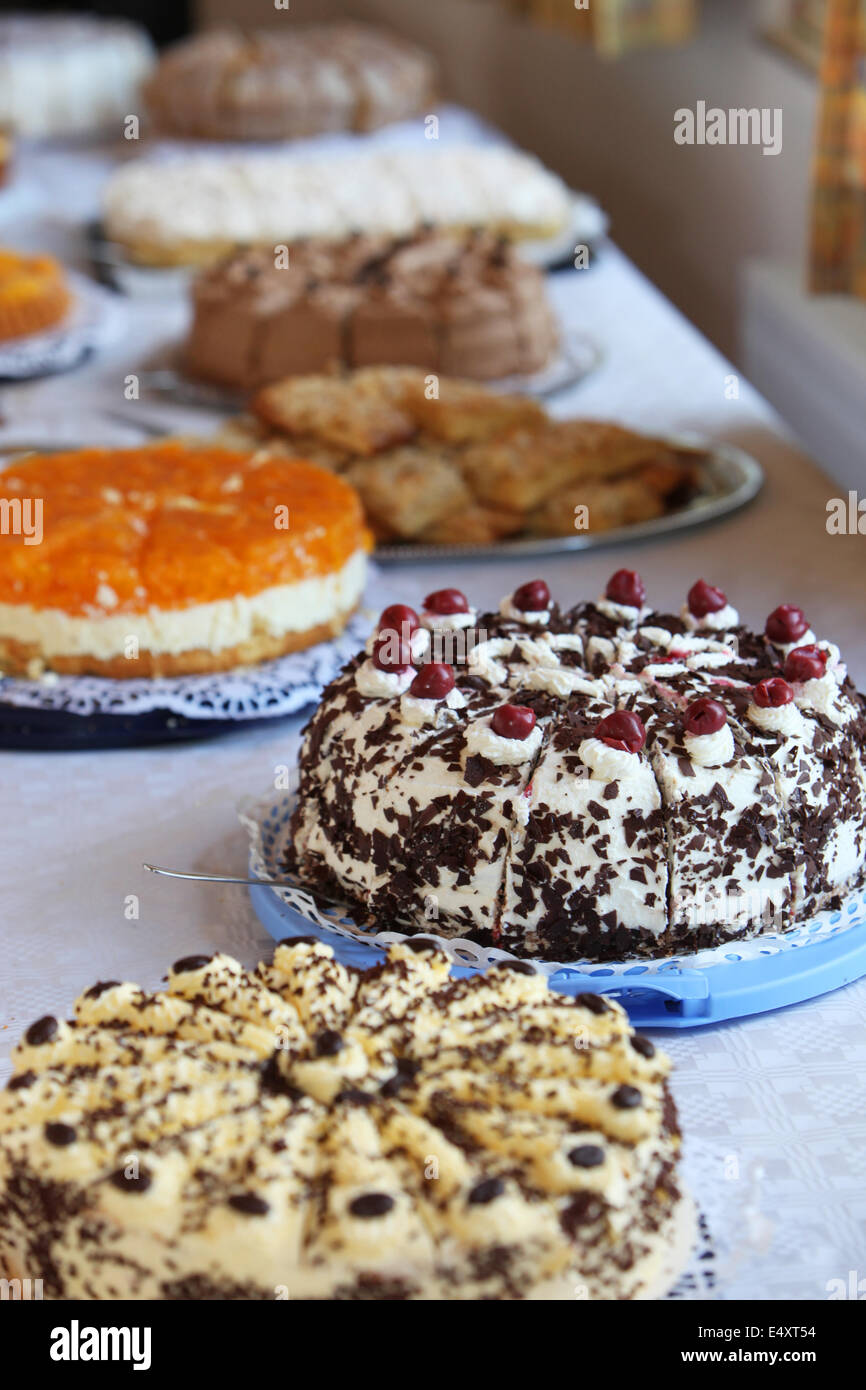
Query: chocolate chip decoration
[249, 1204]
[594, 1002]
[328, 1043]
[586, 1156]
[101, 987]
[371, 1204]
[187, 963]
[626, 1098]
[42, 1031]
[643, 1045]
[486, 1191]
[60, 1135]
[133, 1184]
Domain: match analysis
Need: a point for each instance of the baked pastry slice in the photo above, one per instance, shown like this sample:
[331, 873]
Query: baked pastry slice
[334, 411]
[406, 491]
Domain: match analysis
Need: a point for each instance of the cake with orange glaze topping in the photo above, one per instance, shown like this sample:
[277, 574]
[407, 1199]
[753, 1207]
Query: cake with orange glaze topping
[172, 559]
[33, 294]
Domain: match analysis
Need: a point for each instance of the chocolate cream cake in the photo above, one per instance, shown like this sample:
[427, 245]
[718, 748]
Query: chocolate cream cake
[308, 1131]
[595, 783]
[458, 304]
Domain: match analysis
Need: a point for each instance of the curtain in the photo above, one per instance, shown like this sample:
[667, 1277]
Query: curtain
[616, 25]
[838, 250]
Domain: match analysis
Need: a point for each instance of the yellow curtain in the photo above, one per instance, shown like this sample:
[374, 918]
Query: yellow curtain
[838, 255]
[616, 25]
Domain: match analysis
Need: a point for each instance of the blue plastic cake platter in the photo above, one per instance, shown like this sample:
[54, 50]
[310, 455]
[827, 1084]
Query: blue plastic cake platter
[670, 995]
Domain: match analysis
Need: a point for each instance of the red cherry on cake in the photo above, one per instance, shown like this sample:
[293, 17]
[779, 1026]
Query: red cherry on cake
[391, 652]
[705, 598]
[513, 721]
[806, 664]
[773, 694]
[445, 601]
[786, 624]
[626, 587]
[433, 682]
[622, 730]
[399, 617]
[532, 597]
[705, 717]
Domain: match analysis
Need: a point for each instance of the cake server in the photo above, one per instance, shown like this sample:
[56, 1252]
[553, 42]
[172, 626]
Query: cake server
[241, 880]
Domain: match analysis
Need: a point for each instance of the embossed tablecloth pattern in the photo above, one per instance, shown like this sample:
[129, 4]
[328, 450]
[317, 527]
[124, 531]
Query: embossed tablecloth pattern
[777, 1102]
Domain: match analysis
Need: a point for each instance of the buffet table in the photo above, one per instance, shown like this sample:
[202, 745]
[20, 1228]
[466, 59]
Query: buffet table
[774, 1107]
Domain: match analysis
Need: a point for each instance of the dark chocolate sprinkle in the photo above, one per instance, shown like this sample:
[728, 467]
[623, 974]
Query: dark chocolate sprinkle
[42, 1031]
[249, 1204]
[371, 1204]
[626, 1098]
[100, 987]
[186, 963]
[125, 1184]
[586, 1156]
[328, 1043]
[60, 1135]
[487, 1190]
[593, 1002]
[643, 1046]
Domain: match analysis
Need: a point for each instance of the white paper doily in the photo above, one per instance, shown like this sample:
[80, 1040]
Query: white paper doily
[267, 825]
[94, 322]
[273, 688]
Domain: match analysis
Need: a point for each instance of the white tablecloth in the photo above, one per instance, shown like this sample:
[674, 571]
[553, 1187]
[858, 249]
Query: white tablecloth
[776, 1106]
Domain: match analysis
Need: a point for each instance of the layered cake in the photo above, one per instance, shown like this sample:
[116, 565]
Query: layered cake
[173, 559]
[594, 783]
[267, 85]
[63, 74]
[457, 304]
[194, 210]
[33, 294]
[445, 461]
[307, 1131]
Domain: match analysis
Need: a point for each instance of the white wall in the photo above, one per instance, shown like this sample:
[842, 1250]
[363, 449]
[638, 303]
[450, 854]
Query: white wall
[688, 216]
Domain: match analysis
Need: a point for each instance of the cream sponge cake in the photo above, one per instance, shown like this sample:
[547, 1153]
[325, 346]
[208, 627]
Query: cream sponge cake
[599, 782]
[192, 210]
[459, 304]
[310, 1131]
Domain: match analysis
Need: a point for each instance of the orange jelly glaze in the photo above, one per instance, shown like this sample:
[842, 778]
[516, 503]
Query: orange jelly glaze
[168, 526]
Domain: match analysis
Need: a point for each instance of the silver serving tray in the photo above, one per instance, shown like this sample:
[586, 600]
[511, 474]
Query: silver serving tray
[730, 479]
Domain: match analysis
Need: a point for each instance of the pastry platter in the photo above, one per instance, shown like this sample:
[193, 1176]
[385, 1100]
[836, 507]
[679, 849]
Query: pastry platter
[734, 980]
[729, 480]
